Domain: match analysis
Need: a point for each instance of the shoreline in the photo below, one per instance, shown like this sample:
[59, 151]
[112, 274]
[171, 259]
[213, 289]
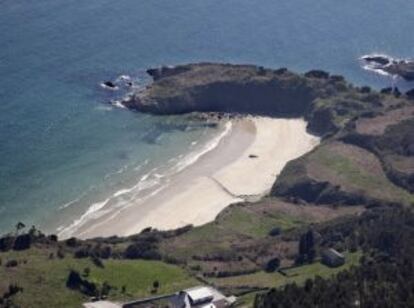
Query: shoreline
[242, 167]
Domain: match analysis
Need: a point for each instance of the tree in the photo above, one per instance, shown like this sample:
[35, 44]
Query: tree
[275, 231]
[22, 242]
[6, 243]
[60, 253]
[272, 265]
[307, 250]
[74, 280]
[20, 226]
[98, 262]
[12, 263]
[106, 288]
[33, 231]
[12, 290]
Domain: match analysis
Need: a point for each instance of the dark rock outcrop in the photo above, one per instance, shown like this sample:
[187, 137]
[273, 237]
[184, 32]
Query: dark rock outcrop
[389, 65]
[404, 69]
[109, 84]
[382, 60]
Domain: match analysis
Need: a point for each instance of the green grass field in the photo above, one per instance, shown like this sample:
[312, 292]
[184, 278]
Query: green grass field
[233, 225]
[256, 225]
[44, 280]
[356, 176]
[298, 274]
[138, 277]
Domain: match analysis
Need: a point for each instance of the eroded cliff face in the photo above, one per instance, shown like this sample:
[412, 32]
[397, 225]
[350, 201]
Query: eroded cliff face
[225, 88]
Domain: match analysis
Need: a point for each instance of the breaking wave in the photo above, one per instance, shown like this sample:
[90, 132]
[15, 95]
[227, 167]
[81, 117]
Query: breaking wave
[368, 63]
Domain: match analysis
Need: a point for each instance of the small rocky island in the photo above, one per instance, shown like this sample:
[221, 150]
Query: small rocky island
[394, 67]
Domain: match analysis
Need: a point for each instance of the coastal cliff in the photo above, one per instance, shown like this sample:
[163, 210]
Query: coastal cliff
[225, 88]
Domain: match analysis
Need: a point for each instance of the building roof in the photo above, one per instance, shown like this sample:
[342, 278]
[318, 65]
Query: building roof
[102, 304]
[210, 305]
[199, 294]
[332, 253]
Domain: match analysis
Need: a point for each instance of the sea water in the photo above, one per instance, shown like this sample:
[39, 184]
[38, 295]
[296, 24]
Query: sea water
[67, 155]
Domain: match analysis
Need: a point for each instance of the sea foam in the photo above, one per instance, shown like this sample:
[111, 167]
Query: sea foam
[195, 156]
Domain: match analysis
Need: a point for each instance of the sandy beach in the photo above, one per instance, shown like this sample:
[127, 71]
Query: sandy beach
[243, 166]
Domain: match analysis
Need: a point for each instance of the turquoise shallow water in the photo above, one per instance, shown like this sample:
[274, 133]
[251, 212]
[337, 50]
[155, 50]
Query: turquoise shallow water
[62, 149]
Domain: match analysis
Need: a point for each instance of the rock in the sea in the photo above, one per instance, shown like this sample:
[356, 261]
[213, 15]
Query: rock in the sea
[395, 67]
[109, 84]
[382, 60]
[404, 69]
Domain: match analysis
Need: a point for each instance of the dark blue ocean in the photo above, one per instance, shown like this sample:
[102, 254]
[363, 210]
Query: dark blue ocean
[64, 152]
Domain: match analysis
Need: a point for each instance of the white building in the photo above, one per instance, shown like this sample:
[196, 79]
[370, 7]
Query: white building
[197, 297]
[201, 297]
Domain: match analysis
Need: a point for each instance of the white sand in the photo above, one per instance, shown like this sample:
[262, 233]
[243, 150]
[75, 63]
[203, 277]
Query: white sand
[222, 176]
[198, 204]
[277, 141]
